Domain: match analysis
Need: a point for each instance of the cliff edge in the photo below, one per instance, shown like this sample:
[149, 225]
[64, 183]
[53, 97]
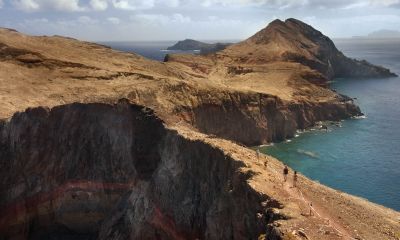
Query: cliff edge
[101, 144]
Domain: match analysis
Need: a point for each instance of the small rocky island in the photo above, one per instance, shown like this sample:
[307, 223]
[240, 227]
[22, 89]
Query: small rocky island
[193, 45]
[100, 144]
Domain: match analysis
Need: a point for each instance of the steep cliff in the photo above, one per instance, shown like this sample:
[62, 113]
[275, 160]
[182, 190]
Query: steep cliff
[255, 119]
[116, 172]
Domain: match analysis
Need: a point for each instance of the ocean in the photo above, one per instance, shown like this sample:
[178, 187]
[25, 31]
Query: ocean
[152, 50]
[357, 156]
[361, 156]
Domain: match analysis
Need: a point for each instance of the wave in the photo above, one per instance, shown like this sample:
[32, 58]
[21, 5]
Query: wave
[266, 145]
[307, 153]
[360, 117]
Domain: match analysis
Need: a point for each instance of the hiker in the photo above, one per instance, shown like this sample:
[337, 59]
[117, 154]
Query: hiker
[258, 154]
[294, 178]
[311, 213]
[266, 163]
[285, 173]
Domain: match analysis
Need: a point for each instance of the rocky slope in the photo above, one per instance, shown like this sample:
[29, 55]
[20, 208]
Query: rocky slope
[88, 159]
[295, 41]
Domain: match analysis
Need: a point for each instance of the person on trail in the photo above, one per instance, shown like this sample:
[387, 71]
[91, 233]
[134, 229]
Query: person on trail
[266, 163]
[311, 213]
[285, 173]
[294, 178]
[258, 154]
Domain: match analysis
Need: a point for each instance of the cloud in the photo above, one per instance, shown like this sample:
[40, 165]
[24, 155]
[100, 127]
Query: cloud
[385, 2]
[99, 5]
[1, 3]
[271, 3]
[169, 3]
[114, 20]
[86, 20]
[81, 5]
[322, 4]
[150, 19]
[26, 5]
[179, 18]
[59, 5]
[102, 5]
[133, 4]
[160, 19]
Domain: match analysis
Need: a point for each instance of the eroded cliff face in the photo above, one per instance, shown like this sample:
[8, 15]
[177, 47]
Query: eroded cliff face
[255, 119]
[87, 171]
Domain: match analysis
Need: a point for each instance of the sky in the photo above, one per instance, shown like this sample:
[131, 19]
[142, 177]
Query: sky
[159, 20]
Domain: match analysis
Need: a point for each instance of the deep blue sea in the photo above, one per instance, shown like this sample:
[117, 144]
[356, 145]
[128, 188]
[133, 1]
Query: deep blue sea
[361, 156]
[152, 50]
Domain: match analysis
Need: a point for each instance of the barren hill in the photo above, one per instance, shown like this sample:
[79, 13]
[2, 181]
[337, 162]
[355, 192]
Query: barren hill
[279, 56]
[101, 144]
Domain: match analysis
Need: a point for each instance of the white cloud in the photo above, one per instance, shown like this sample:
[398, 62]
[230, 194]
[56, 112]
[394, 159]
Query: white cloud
[283, 4]
[114, 20]
[179, 18]
[279, 3]
[169, 3]
[59, 5]
[86, 20]
[133, 4]
[160, 19]
[150, 19]
[99, 5]
[102, 5]
[385, 2]
[26, 5]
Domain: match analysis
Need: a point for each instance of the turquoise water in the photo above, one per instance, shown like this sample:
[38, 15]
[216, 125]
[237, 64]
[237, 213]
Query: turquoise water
[362, 157]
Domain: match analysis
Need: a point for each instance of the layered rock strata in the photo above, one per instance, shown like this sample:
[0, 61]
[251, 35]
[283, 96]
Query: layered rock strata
[116, 172]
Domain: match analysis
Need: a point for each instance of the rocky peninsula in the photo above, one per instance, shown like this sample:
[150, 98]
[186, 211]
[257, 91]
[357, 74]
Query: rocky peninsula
[101, 144]
[193, 45]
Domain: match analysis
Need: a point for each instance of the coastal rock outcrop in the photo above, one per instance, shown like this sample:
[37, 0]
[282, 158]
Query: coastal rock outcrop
[255, 119]
[204, 48]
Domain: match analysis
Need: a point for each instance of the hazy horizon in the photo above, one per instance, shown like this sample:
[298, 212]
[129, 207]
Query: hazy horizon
[171, 20]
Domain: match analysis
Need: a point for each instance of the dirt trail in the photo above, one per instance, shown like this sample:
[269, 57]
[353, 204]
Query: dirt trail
[316, 210]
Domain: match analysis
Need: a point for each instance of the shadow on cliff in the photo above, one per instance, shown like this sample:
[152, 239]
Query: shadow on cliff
[103, 171]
